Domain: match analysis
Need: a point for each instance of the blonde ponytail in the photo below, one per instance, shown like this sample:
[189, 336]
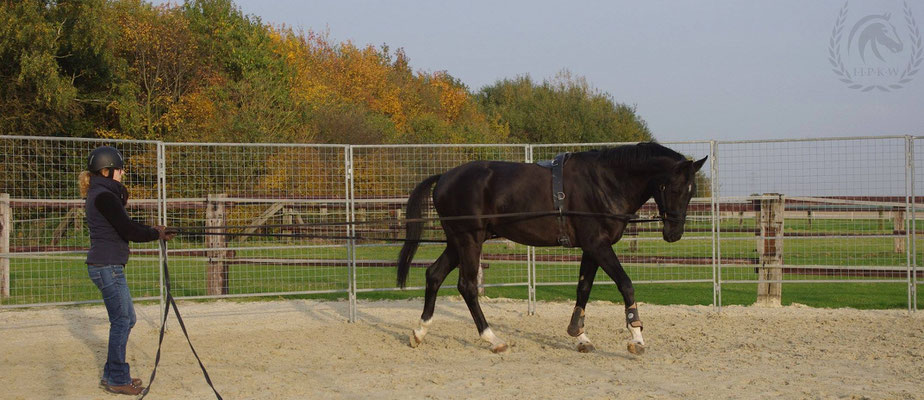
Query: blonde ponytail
[84, 182]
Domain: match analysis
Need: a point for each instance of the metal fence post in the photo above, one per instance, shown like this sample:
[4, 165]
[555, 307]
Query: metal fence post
[912, 233]
[713, 190]
[530, 259]
[6, 229]
[904, 220]
[350, 230]
[717, 227]
[162, 218]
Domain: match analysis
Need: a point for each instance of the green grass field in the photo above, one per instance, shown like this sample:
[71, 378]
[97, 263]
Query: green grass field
[42, 280]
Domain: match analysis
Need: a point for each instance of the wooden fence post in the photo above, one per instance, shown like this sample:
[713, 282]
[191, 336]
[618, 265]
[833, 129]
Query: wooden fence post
[6, 228]
[632, 233]
[287, 219]
[898, 228]
[480, 279]
[770, 250]
[217, 270]
[395, 231]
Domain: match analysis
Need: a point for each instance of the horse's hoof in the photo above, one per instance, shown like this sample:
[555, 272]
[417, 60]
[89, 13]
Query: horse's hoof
[586, 347]
[635, 348]
[414, 340]
[499, 348]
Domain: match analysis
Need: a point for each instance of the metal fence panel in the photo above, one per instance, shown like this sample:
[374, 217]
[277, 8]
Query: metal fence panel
[847, 216]
[245, 185]
[384, 176]
[646, 257]
[917, 225]
[48, 239]
[841, 210]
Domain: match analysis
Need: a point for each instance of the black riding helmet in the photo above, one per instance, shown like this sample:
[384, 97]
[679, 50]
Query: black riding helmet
[105, 157]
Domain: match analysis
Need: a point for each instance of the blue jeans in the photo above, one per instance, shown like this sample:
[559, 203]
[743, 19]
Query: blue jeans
[110, 279]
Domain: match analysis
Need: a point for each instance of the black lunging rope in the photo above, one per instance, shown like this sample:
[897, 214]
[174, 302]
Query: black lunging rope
[222, 231]
[163, 325]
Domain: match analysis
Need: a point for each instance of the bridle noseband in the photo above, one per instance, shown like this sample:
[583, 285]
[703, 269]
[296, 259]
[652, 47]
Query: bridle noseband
[667, 215]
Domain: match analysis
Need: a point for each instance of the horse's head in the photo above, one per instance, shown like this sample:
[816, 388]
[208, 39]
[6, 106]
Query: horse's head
[876, 30]
[672, 192]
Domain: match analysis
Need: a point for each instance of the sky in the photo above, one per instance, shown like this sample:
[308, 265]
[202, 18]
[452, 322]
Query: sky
[695, 70]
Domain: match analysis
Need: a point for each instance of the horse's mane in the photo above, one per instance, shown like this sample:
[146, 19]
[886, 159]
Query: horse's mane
[635, 154]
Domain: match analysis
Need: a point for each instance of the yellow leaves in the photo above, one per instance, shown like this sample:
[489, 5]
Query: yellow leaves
[143, 167]
[162, 56]
[420, 106]
[195, 109]
[328, 74]
[111, 134]
[300, 172]
[377, 173]
[452, 98]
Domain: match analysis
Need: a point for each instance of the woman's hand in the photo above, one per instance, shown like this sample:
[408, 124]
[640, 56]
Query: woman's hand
[165, 234]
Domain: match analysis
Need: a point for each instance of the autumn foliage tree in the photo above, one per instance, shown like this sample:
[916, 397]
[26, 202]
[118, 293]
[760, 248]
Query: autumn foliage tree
[163, 67]
[204, 71]
[371, 95]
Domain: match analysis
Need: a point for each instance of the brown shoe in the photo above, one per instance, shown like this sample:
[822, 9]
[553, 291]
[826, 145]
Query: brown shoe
[125, 389]
[135, 382]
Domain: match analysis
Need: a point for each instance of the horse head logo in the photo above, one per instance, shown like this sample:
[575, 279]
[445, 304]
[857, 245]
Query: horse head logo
[875, 30]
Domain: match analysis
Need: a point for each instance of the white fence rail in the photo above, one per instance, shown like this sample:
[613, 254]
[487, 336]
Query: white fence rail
[767, 213]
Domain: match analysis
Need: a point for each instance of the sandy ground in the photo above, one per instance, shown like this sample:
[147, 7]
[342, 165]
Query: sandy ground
[306, 349]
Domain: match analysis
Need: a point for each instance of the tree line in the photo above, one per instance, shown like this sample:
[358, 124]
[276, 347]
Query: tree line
[204, 71]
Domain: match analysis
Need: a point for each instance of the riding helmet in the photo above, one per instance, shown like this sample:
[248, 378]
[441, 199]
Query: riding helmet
[105, 157]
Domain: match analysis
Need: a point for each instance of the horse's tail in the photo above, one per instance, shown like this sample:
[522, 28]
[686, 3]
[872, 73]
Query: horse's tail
[414, 229]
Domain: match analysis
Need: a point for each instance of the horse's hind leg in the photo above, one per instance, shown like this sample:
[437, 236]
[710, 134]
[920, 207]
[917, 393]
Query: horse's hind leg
[436, 274]
[585, 283]
[468, 287]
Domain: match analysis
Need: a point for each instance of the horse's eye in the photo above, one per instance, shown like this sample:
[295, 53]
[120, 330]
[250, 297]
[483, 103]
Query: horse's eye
[663, 187]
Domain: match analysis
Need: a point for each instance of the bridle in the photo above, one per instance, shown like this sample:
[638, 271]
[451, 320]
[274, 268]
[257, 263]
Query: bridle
[666, 215]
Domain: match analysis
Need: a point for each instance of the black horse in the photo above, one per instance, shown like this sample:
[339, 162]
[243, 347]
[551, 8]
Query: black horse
[613, 181]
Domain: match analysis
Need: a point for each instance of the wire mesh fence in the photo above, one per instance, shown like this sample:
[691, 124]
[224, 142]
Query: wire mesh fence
[384, 176]
[642, 251]
[831, 210]
[765, 212]
[46, 238]
[256, 188]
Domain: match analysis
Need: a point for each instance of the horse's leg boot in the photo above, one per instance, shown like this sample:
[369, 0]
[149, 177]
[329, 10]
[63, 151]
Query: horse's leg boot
[576, 327]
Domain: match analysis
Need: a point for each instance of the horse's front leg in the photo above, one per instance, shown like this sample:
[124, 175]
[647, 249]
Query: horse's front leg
[585, 284]
[611, 265]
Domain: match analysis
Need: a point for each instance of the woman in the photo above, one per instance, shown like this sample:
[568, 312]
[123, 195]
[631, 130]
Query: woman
[110, 231]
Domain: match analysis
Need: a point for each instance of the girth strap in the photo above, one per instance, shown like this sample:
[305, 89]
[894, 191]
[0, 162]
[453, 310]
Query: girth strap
[558, 194]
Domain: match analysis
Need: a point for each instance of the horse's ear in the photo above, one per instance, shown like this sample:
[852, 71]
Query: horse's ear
[699, 164]
[683, 166]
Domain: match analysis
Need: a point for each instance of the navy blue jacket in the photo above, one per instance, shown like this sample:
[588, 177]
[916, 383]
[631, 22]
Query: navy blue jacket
[110, 226]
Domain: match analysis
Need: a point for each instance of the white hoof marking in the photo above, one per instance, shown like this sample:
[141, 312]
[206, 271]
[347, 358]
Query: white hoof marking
[417, 336]
[497, 345]
[584, 344]
[637, 335]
